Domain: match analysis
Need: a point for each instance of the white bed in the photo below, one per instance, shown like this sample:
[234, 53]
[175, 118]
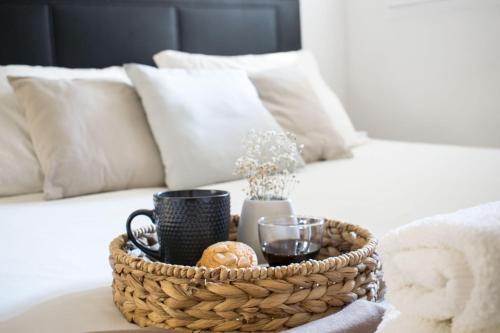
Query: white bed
[54, 253]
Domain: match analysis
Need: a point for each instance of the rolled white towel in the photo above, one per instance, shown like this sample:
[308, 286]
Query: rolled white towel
[443, 273]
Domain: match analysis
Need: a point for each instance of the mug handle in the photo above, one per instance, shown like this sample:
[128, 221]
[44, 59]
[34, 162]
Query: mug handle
[149, 213]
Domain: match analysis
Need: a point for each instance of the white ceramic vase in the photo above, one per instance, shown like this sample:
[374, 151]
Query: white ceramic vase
[251, 212]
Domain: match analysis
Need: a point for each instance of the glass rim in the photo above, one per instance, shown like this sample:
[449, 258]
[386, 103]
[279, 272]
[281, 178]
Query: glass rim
[265, 221]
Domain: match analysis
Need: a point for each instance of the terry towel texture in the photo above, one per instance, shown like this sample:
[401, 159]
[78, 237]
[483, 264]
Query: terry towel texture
[442, 273]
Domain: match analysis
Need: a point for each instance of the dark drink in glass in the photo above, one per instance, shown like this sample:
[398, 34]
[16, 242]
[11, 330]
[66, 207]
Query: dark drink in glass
[290, 239]
[287, 251]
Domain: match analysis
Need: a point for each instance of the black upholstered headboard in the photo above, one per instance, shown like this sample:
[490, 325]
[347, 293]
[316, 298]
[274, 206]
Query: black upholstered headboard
[99, 33]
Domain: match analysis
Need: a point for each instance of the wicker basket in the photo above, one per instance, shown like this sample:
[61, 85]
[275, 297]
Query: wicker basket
[253, 299]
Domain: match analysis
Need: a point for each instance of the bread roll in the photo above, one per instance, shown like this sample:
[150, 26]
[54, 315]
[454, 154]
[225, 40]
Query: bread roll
[229, 254]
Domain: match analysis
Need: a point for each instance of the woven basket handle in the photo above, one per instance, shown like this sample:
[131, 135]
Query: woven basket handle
[149, 213]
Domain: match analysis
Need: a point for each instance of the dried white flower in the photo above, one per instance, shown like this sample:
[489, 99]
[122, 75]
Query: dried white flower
[269, 164]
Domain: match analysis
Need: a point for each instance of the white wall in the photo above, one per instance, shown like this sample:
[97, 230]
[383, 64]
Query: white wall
[323, 32]
[424, 72]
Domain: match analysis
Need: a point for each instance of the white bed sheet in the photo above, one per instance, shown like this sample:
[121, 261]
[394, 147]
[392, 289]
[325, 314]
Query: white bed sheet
[55, 276]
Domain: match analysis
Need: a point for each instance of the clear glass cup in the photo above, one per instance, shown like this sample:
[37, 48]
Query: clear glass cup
[290, 239]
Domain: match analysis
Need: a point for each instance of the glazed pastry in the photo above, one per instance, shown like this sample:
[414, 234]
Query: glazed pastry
[229, 254]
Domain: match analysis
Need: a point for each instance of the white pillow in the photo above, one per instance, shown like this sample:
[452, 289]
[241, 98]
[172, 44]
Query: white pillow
[302, 114]
[255, 63]
[20, 169]
[199, 119]
[248, 62]
[90, 136]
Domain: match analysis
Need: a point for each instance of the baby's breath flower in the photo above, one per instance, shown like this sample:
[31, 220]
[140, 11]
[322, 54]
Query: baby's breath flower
[269, 164]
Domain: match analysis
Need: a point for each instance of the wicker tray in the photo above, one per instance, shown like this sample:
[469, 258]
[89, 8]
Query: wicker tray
[253, 299]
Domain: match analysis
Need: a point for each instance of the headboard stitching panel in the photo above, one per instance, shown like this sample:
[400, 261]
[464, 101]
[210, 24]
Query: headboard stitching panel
[88, 33]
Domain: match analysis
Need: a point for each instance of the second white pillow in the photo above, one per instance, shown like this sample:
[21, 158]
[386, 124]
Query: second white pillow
[199, 119]
[253, 64]
[302, 114]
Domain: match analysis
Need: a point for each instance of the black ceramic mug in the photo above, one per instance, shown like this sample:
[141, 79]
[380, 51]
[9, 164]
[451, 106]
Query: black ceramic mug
[187, 222]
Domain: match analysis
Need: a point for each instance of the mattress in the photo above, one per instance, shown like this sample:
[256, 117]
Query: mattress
[55, 274]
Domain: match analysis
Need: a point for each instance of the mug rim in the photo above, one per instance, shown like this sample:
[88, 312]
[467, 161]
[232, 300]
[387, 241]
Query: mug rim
[200, 194]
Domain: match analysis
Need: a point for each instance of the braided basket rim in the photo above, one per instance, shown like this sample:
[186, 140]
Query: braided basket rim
[119, 256]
